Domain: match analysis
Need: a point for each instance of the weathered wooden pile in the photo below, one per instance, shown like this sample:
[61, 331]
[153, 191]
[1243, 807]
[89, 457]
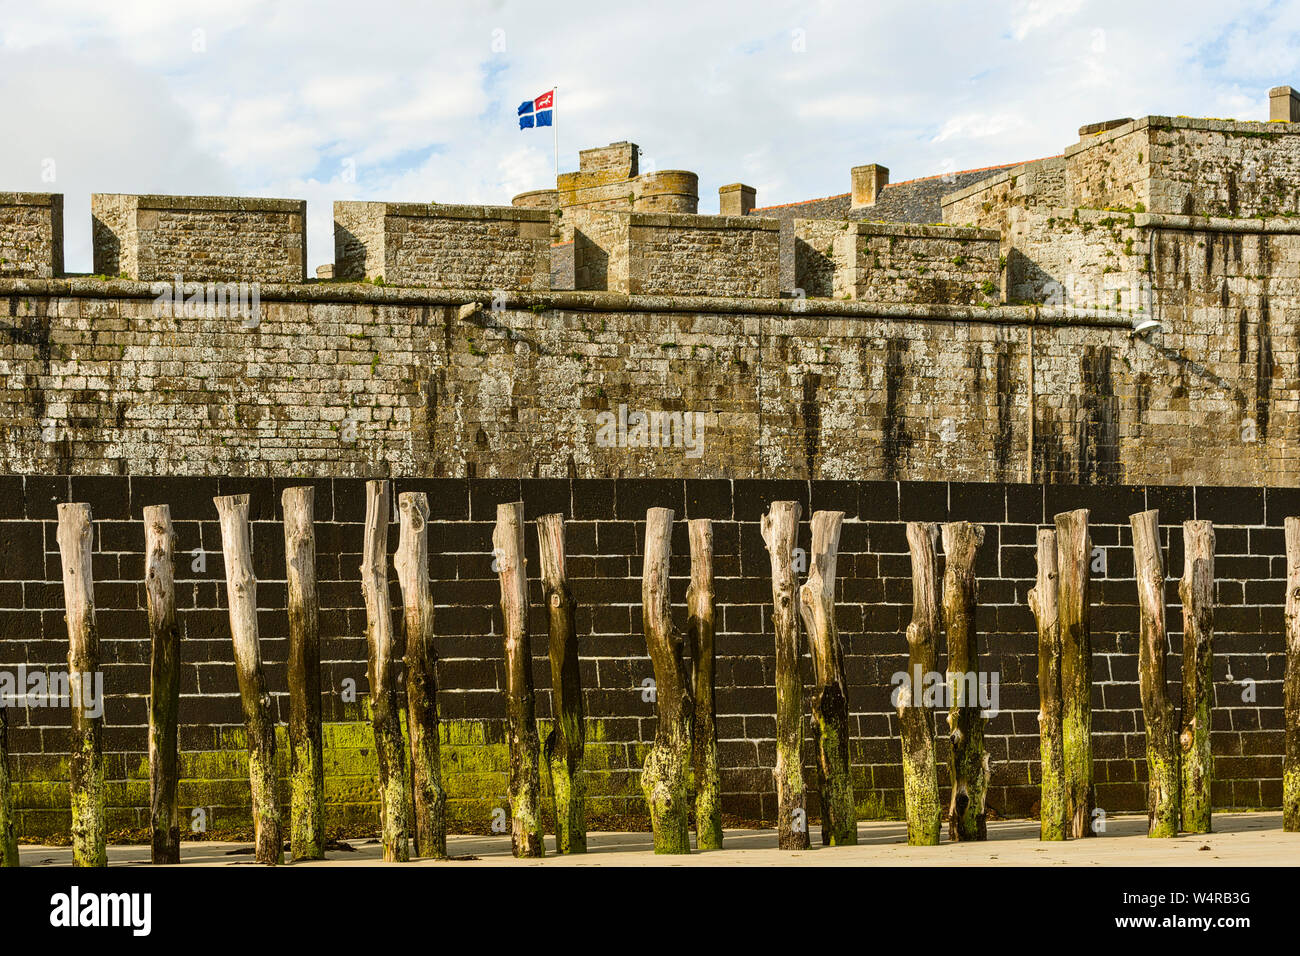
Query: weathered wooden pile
[680, 778]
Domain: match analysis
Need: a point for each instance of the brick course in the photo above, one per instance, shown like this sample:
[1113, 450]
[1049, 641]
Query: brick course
[605, 537]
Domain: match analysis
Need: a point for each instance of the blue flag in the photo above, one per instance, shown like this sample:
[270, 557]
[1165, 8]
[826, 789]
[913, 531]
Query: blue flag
[537, 112]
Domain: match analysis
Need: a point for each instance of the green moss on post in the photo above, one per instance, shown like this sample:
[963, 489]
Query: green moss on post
[86, 763]
[164, 686]
[1197, 592]
[1052, 813]
[1291, 683]
[830, 706]
[525, 781]
[241, 597]
[412, 563]
[565, 744]
[390, 747]
[1163, 805]
[8, 828]
[967, 816]
[1073, 556]
[779, 528]
[920, 769]
[306, 757]
[700, 644]
[665, 778]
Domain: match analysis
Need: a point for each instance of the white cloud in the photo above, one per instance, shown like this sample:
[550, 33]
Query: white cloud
[1034, 15]
[979, 126]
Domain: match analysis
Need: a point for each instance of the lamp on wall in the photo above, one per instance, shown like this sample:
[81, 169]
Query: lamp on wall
[1145, 322]
[1144, 325]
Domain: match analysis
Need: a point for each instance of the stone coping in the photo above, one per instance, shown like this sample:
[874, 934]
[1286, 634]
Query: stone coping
[362, 292]
[666, 174]
[1277, 224]
[1281, 225]
[1001, 177]
[211, 203]
[31, 199]
[686, 220]
[909, 229]
[447, 211]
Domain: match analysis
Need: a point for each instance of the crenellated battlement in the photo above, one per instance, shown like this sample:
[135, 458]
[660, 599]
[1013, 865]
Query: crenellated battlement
[1017, 233]
[439, 246]
[31, 235]
[203, 238]
[853, 336]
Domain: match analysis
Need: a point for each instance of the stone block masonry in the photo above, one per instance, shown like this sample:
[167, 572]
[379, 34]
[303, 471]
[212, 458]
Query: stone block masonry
[676, 254]
[31, 235]
[894, 262]
[443, 246]
[1157, 164]
[200, 238]
[605, 539]
[349, 379]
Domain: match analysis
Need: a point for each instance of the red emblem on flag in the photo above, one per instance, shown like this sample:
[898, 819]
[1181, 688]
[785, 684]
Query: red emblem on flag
[543, 102]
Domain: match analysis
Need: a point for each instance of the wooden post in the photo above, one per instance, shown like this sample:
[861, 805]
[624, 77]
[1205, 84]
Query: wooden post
[920, 769]
[1052, 815]
[665, 778]
[830, 703]
[1073, 557]
[390, 748]
[779, 527]
[1197, 592]
[703, 661]
[241, 596]
[306, 754]
[967, 816]
[1158, 712]
[412, 564]
[525, 775]
[164, 685]
[1291, 683]
[8, 828]
[86, 766]
[567, 739]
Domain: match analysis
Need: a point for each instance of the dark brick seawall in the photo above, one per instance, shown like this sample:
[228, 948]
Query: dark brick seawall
[605, 536]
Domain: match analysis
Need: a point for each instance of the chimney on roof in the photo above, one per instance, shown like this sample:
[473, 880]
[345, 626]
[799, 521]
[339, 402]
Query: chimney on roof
[868, 181]
[1283, 105]
[736, 199]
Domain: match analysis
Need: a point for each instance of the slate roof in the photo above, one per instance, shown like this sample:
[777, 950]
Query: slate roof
[914, 200]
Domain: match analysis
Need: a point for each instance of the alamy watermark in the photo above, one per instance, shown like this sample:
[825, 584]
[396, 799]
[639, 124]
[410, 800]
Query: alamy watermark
[75, 908]
[624, 429]
[945, 691]
[208, 300]
[37, 688]
[1100, 295]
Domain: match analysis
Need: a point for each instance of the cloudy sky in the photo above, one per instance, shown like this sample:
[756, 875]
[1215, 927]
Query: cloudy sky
[416, 101]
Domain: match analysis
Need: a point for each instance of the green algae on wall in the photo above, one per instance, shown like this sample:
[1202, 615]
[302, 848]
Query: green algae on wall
[215, 801]
[215, 798]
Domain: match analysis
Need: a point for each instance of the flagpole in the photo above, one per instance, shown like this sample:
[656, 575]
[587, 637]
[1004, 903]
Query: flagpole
[555, 137]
